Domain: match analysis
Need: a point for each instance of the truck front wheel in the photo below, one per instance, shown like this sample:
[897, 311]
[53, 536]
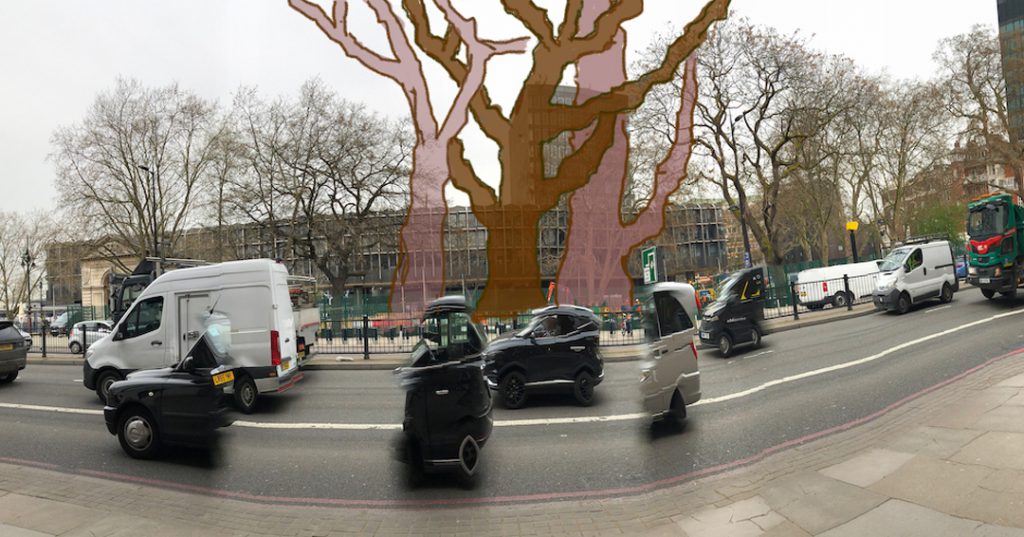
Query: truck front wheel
[988, 293]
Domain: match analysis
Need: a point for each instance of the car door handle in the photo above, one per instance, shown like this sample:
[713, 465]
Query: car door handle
[192, 334]
[577, 348]
[441, 392]
[155, 343]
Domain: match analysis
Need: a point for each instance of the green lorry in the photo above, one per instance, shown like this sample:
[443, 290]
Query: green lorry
[995, 226]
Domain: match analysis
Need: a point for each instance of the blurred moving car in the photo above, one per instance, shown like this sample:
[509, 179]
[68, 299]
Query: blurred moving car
[184, 404]
[27, 337]
[447, 403]
[735, 316]
[94, 331]
[13, 352]
[961, 267]
[670, 378]
[558, 350]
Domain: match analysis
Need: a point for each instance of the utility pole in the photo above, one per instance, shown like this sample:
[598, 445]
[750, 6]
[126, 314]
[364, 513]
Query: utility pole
[28, 262]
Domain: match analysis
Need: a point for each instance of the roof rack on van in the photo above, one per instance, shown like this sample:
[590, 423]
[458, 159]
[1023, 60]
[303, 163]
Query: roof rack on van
[924, 239]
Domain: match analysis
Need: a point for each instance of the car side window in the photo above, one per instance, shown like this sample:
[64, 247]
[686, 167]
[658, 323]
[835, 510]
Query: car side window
[144, 318]
[914, 260]
[672, 317]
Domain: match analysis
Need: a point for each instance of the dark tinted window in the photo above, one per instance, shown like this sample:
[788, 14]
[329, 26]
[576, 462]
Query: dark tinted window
[144, 317]
[672, 317]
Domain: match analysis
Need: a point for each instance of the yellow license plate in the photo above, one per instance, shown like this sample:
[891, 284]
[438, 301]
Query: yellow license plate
[302, 354]
[7, 347]
[285, 364]
[223, 378]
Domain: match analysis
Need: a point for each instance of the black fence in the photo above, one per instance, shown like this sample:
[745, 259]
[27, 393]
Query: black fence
[803, 297]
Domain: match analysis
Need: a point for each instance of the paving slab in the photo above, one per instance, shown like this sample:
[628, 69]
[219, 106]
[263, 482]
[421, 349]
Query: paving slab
[786, 529]
[937, 442]
[1016, 382]
[816, 503]
[938, 484]
[868, 468]
[999, 450]
[896, 518]
[37, 514]
[745, 518]
[1002, 418]
[14, 531]
[1017, 400]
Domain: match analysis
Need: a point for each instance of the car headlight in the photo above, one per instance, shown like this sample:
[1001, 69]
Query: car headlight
[646, 375]
[711, 318]
[997, 273]
[973, 271]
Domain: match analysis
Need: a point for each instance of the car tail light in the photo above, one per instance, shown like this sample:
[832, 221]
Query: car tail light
[275, 347]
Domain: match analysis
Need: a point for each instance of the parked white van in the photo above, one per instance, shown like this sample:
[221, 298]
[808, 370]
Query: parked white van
[916, 271]
[819, 287]
[174, 310]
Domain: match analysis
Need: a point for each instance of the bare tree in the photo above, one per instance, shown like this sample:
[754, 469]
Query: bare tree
[23, 238]
[973, 78]
[133, 168]
[318, 173]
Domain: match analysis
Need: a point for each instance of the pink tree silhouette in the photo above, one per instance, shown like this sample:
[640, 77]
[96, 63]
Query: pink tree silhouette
[420, 275]
[600, 241]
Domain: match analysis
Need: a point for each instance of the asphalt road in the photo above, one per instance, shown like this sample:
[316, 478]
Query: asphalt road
[738, 418]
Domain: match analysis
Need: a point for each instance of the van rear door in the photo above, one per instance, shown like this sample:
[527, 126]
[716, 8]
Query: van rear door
[193, 312]
[283, 321]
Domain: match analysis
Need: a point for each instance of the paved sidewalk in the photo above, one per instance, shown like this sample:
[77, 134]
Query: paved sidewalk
[611, 353]
[947, 462]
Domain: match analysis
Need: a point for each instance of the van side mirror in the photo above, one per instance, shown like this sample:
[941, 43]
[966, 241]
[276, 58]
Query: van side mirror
[187, 364]
[118, 333]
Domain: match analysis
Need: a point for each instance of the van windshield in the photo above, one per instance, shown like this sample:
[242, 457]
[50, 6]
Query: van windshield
[894, 260]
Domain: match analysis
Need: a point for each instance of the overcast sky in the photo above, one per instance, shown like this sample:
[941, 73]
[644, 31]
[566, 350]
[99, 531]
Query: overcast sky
[56, 56]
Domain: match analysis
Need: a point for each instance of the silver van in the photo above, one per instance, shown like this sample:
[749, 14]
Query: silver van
[670, 378]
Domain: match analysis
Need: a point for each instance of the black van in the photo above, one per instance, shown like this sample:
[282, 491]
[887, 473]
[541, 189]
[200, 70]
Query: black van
[735, 317]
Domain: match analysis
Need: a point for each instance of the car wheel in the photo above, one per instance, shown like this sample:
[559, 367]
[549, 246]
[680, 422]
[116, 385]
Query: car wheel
[903, 303]
[725, 345]
[755, 337]
[75, 347]
[513, 390]
[9, 378]
[947, 294]
[988, 293]
[246, 394]
[103, 383]
[840, 300]
[138, 433]
[677, 411]
[583, 388]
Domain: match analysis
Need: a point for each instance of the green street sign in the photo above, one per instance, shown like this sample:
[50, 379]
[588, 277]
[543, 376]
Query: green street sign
[649, 262]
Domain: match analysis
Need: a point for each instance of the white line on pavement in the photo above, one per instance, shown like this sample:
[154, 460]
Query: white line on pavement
[940, 308]
[569, 420]
[762, 353]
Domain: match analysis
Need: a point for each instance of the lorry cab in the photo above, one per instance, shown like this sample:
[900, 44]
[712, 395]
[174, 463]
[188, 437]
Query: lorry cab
[735, 317]
[670, 378]
[447, 402]
[996, 245]
[167, 318]
[919, 270]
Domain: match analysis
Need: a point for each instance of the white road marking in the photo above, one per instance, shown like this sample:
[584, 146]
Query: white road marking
[762, 353]
[76, 380]
[567, 420]
[940, 308]
[58, 409]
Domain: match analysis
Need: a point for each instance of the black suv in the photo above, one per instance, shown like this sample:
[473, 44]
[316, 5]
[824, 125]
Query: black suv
[558, 350]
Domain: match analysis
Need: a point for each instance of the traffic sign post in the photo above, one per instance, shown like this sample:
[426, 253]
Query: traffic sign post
[649, 262]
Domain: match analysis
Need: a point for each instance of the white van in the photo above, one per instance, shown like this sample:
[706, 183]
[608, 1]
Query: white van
[670, 378]
[917, 271]
[820, 287]
[172, 312]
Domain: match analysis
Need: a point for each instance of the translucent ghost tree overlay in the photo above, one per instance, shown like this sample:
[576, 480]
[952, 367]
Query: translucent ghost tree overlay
[591, 35]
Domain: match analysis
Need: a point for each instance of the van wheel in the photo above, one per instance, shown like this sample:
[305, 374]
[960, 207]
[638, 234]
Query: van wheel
[988, 293]
[947, 294]
[725, 345]
[138, 433]
[755, 337]
[513, 390]
[246, 394]
[583, 388]
[903, 303]
[9, 378]
[75, 347]
[103, 383]
[676, 411]
[840, 300]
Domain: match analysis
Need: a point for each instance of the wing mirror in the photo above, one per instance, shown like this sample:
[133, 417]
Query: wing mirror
[118, 333]
[187, 365]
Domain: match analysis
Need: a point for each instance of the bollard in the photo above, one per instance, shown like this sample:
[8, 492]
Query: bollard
[846, 289]
[366, 337]
[792, 297]
[43, 335]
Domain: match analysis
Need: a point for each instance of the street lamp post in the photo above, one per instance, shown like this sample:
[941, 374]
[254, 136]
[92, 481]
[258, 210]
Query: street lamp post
[28, 262]
[152, 205]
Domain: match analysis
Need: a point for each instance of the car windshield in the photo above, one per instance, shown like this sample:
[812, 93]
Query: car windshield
[650, 321]
[987, 221]
[531, 326]
[727, 286]
[894, 260]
